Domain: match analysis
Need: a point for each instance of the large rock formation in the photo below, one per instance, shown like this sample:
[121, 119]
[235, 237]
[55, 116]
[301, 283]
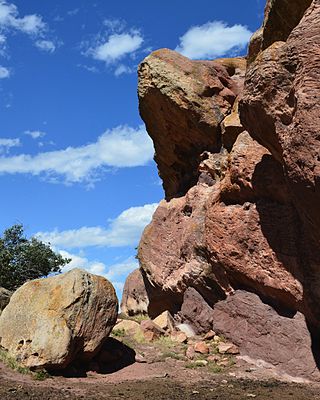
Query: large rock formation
[240, 215]
[50, 322]
[183, 103]
[281, 109]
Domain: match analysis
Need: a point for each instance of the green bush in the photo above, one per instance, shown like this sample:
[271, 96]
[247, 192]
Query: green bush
[23, 259]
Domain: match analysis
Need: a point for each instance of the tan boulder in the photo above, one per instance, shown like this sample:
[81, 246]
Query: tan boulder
[50, 322]
[129, 327]
[165, 321]
[134, 298]
[179, 337]
[201, 347]
[228, 348]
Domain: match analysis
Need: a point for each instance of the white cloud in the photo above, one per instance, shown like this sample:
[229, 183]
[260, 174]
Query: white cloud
[117, 47]
[46, 45]
[4, 72]
[125, 230]
[31, 25]
[213, 39]
[115, 273]
[120, 147]
[7, 144]
[123, 69]
[35, 134]
[9, 18]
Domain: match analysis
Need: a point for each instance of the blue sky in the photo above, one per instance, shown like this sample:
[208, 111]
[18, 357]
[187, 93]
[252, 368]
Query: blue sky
[76, 163]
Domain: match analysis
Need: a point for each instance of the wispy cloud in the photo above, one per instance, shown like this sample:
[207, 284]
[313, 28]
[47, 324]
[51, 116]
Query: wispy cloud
[46, 45]
[213, 39]
[125, 230]
[35, 134]
[4, 72]
[120, 147]
[116, 47]
[32, 25]
[7, 144]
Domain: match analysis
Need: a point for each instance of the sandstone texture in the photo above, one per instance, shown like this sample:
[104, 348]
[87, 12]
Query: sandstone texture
[281, 340]
[235, 242]
[4, 298]
[51, 322]
[182, 103]
[134, 298]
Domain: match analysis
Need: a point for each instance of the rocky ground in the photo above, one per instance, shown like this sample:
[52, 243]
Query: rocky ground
[167, 379]
[157, 369]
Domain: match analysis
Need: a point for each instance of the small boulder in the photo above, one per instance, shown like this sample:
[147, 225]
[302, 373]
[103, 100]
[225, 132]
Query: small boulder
[228, 348]
[209, 335]
[51, 322]
[151, 331]
[179, 337]
[190, 353]
[165, 321]
[128, 327]
[135, 299]
[201, 347]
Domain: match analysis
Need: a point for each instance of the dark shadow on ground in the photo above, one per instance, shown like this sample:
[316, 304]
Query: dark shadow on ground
[112, 357]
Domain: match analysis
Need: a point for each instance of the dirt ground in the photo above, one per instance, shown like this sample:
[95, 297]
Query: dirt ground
[167, 379]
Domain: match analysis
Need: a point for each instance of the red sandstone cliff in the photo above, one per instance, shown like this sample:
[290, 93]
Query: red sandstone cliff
[237, 148]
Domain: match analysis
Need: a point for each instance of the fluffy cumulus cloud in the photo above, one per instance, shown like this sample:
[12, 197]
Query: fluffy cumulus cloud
[120, 147]
[116, 47]
[213, 39]
[32, 25]
[115, 273]
[125, 230]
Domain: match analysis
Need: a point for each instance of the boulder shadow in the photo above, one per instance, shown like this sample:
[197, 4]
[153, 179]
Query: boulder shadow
[112, 357]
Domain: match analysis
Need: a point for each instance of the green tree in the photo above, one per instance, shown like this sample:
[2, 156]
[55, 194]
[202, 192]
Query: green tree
[23, 259]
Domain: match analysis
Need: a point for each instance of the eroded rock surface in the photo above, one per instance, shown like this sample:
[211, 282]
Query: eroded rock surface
[182, 103]
[241, 218]
[281, 340]
[50, 322]
[134, 298]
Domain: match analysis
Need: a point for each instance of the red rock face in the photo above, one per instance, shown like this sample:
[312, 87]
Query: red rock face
[283, 341]
[182, 103]
[240, 216]
[281, 109]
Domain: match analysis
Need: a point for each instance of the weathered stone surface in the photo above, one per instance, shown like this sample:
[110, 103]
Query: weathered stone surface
[280, 108]
[165, 321]
[50, 322]
[196, 311]
[201, 347]
[261, 333]
[281, 17]
[182, 103]
[134, 298]
[240, 232]
[4, 298]
[129, 327]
